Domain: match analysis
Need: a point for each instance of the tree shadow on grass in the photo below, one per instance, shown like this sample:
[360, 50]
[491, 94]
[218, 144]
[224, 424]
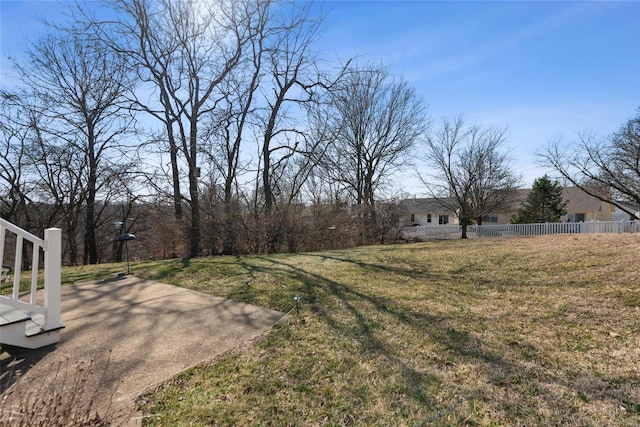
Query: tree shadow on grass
[353, 319]
[351, 312]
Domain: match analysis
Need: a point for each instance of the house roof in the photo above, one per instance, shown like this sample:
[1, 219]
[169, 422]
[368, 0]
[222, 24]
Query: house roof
[628, 205]
[426, 205]
[577, 200]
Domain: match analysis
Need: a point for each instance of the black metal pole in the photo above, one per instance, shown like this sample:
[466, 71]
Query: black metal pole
[126, 245]
[124, 231]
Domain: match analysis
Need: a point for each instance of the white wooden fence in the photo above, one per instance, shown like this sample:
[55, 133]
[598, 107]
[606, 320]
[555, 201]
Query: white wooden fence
[432, 232]
[514, 230]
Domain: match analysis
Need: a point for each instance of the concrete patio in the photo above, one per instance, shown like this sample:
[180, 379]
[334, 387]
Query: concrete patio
[137, 333]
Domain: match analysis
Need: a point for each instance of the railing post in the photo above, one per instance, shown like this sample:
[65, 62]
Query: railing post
[2, 236]
[52, 277]
[17, 267]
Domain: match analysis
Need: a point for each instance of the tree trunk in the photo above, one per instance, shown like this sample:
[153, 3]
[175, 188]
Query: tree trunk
[266, 177]
[266, 156]
[177, 197]
[229, 238]
[195, 237]
[173, 156]
[90, 245]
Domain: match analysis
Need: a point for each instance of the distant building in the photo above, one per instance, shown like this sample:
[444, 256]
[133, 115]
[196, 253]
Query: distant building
[427, 212]
[581, 207]
[620, 215]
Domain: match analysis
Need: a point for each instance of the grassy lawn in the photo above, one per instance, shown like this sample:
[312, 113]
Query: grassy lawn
[527, 331]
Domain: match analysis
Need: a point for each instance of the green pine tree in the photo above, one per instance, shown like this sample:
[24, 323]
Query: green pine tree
[544, 203]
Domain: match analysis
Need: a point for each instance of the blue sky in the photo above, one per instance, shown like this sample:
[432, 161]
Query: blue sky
[543, 69]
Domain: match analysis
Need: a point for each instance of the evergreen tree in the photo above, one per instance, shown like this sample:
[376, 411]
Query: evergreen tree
[544, 203]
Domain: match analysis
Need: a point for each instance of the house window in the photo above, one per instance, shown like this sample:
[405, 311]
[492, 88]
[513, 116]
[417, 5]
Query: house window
[443, 219]
[577, 217]
[428, 217]
[492, 217]
[413, 217]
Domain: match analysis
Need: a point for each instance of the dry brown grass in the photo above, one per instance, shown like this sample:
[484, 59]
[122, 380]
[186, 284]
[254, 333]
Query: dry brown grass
[525, 331]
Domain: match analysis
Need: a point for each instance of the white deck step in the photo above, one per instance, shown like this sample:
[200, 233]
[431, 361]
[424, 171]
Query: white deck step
[21, 329]
[9, 315]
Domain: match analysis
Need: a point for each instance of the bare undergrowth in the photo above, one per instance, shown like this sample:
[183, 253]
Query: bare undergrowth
[67, 396]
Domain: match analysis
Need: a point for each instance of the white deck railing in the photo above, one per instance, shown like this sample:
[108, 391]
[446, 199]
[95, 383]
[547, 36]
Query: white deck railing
[51, 245]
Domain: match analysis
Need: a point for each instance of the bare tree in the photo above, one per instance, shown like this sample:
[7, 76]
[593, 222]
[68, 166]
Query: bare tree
[59, 184]
[268, 96]
[79, 86]
[593, 163]
[16, 183]
[371, 123]
[182, 52]
[14, 187]
[493, 188]
[376, 119]
[292, 81]
[234, 122]
[470, 175]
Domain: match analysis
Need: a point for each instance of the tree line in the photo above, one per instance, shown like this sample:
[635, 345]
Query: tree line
[223, 110]
[217, 127]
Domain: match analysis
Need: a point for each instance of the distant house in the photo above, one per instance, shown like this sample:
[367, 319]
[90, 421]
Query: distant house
[426, 212]
[581, 207]
[620, 215]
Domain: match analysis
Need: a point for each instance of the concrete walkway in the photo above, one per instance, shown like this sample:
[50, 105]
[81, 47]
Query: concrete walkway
[145, 332]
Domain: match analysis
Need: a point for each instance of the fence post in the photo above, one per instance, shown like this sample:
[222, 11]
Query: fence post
[52, 277]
